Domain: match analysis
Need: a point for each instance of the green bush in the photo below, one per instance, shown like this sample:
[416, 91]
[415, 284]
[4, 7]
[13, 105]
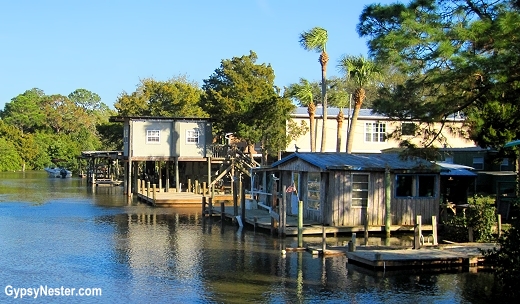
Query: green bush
[480, 215]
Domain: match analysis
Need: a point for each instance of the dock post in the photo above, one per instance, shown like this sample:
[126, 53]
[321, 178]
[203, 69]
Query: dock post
[388, 202]
[203, 206]
[499, 224]
[470, 234]
[138, 185]
[235, 198]
[210, 206]
[203, 188]
[417, 233]
[243, 202]
[222, 211]
[153, 194]
[147, 191]
[143, 186]
[366, 226]
[300, 224]
[354, 241]
[283, 212]
[323, 239]
[434, 230]
[196, 187]
[189, 185]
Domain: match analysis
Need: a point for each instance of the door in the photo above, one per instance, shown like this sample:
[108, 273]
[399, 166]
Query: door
[294, 194]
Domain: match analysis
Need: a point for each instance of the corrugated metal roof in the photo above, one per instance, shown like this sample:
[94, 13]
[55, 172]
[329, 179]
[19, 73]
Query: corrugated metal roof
[359, 162]
[456, 169]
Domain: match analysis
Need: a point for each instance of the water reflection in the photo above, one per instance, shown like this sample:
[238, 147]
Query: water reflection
[61, 232]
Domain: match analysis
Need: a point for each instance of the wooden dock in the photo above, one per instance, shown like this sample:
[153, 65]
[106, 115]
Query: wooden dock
[442, 256]
[160, 198]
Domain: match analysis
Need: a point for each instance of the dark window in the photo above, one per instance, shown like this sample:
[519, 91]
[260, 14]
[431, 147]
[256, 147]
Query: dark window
[408, 128]
[415, 185]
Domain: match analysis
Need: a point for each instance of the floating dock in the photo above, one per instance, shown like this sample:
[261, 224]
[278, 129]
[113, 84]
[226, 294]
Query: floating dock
[441, 256]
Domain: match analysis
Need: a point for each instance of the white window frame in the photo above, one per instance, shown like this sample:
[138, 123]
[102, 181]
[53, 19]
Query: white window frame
[375, 130]
[313, 191]
[153, 137]
[192, 137]
[363, 191]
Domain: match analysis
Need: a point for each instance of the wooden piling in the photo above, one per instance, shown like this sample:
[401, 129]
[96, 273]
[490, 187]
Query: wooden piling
[210, 206]
[366, 226]
[203, 206]
[499, 224]
[434, 230]
[222, 211]
[300, 224]
[417, 233]
[153, 194]
[243, 202]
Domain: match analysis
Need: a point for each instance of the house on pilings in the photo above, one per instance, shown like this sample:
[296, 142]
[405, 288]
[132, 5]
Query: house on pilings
[347, 190]
[177, 153]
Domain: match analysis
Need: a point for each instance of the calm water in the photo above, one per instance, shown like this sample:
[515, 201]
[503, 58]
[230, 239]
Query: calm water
[62, 233]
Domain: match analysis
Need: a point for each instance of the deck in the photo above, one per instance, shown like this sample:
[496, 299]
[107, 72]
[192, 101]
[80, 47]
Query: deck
[257, 218]
[441, 256]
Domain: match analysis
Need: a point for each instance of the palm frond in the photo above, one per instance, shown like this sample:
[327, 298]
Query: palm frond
[314, 40]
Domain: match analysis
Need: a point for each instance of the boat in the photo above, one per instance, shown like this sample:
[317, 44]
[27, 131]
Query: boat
[58, 172]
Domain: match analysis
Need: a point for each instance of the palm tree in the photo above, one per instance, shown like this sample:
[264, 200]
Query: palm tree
[316, 40]
[302, 91]
[341, 102]
[361, 71]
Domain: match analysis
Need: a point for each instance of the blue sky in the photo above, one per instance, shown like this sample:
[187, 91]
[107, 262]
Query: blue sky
[107, 46]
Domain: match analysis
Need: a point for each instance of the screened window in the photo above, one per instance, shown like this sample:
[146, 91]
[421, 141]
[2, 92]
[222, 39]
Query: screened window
[410, 185]
[375, 132]
[313, 191]
[153, 136]
[360, 190]
[192, 136]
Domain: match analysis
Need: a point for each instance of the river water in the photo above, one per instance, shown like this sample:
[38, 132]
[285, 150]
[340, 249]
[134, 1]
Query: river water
[61, 236]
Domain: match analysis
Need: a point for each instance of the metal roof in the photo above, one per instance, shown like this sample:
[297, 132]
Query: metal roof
[363, 113]
[360, 162]
[456, 169]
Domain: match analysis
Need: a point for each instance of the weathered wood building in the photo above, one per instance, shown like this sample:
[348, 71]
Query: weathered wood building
[340, 189]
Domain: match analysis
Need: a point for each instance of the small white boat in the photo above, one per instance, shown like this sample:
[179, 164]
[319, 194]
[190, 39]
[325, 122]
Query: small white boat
[58, 172]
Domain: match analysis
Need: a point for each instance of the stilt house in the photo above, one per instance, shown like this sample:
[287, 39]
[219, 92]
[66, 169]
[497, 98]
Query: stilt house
[340, 189]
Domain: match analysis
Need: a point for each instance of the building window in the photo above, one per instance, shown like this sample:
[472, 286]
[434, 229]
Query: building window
[360, 190]
[478, 163]
[313, 191]
[375, 132]
[504, 165]
[153, 136]
[410, 185]
[192, 136]
[408, 129]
